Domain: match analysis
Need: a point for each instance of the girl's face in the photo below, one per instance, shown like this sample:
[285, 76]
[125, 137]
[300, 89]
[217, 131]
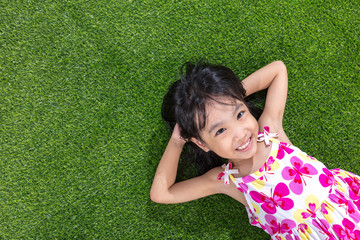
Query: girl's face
[230, 130]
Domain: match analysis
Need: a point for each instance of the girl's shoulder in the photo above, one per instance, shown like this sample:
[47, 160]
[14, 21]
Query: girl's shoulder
[214, 175]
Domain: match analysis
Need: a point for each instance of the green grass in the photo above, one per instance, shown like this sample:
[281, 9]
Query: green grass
[81, 88]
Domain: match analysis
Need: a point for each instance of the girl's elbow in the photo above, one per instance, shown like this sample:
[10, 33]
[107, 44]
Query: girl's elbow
[281, 65]
[154, 197]
[157, 197]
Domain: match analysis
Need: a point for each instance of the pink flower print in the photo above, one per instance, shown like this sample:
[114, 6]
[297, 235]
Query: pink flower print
[283, 147]
[346, 231]
[273, 227]
[277, 199]
[305, 230]
[354, 184]
[324, 226]
[354, 189]
[241, 183]
[303, 227]
[290, 237]
[323, 209]
[312, 203]
[248, 179]
[242, 187]
[297, 173]
[254, 220]
[355, 197]
[326, 179]
[349, 206]
[267, 165]
[310, 212]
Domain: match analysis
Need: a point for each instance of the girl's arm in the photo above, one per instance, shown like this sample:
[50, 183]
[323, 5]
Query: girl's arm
[165, 190]
[274, 77]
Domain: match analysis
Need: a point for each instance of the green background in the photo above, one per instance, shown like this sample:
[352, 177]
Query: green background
[81, 86]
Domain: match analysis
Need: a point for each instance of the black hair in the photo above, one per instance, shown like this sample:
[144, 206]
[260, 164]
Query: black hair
[185, 104]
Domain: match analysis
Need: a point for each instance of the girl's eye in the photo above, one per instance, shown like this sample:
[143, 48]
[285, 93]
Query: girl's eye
[240, 114]
[220, 131]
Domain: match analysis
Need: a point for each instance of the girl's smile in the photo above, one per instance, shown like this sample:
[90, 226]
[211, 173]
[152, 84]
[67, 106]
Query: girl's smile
[246, 146]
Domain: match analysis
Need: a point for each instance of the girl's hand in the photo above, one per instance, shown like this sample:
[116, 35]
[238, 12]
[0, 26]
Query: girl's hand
[165, 189]
[177, 137]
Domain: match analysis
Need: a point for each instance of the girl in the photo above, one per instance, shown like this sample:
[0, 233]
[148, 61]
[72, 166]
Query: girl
[287, 193]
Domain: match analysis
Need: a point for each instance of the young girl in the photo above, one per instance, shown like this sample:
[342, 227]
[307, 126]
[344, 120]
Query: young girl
[287, 193]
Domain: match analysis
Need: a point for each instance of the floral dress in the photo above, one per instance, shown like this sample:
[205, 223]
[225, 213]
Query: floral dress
[294, 196]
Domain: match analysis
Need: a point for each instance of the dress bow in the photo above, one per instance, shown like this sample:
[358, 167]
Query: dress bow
[227, 172]
[266, 135]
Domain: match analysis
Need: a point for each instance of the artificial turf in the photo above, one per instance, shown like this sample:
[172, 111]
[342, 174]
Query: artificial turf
[81, 86]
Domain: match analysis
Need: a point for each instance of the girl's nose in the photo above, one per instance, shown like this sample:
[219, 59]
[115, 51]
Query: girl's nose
[239, 133]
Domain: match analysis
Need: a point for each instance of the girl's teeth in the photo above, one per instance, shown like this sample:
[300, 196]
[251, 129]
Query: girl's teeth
[244, 146]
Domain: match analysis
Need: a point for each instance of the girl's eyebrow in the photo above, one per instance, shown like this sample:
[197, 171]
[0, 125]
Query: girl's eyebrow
[216, 125]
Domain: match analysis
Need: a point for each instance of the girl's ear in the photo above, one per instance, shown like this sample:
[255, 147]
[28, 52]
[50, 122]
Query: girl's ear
[200, 144]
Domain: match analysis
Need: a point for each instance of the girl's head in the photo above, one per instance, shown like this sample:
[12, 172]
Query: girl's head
[200, 86]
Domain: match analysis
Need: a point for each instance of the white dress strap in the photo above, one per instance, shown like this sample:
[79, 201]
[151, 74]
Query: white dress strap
[227, 173]
[267, 136]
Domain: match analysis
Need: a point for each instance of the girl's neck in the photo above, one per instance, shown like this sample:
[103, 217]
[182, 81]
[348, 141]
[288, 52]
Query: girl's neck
[251, 165]
[244, 167]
